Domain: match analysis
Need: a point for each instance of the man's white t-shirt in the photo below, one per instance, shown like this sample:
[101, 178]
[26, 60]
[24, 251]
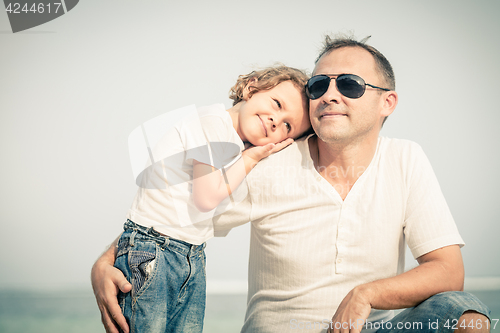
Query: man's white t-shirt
[164, 199]
[309, 247]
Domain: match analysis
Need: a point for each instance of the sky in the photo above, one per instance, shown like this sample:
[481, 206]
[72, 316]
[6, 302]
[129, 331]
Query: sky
[73, 89]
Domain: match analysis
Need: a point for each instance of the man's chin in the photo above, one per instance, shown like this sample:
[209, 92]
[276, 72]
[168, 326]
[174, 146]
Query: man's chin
[331, 136]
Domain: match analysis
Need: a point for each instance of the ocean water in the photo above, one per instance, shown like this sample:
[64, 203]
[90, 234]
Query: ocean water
[77, 312]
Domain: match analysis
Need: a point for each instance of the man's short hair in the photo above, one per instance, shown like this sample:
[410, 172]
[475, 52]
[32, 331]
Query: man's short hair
[383, 66]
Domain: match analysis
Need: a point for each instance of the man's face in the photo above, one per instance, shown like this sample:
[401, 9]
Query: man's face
[339, 119]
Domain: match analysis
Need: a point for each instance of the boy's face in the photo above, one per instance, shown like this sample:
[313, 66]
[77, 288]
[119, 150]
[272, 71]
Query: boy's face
[271, 116]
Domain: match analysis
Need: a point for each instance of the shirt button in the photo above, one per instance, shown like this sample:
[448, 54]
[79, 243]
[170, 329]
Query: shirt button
[339, 261]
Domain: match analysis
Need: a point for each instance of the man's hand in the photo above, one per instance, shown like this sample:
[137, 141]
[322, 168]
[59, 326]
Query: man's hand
[351, 313]
[106, 282]
[438, 271]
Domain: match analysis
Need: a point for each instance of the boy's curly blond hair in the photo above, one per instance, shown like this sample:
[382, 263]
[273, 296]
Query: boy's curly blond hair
[267, 78]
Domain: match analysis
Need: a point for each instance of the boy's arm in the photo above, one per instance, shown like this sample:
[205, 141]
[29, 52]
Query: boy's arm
[106, 281]
[210, 187]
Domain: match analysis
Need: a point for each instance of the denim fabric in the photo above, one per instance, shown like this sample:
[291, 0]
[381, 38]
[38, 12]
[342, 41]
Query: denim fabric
[168, 281]
[438, 313]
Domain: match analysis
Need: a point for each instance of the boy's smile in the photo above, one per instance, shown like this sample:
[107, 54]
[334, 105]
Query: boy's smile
[263, 126]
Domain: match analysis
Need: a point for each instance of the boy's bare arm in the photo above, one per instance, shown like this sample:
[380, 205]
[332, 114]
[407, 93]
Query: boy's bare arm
[210, 187]
[106, 282]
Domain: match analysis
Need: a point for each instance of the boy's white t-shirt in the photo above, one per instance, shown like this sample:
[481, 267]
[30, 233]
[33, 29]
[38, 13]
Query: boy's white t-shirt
[164, 199]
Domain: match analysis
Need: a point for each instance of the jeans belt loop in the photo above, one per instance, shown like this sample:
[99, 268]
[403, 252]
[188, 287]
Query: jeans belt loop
[131, 241]
[165, 242]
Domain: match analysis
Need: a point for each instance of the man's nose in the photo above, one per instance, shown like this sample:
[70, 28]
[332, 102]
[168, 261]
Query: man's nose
[332, 95]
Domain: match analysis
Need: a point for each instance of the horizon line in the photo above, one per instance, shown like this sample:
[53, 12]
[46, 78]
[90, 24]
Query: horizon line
[238, 287]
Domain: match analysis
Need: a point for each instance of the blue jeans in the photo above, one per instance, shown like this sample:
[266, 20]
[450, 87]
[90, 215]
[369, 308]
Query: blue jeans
[439, 313]
[168, 281]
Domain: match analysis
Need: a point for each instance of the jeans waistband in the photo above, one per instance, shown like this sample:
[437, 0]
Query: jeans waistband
[162, 240]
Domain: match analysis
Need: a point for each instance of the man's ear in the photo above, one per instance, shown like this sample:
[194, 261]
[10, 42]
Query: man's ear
[246, 90]
[389, 102]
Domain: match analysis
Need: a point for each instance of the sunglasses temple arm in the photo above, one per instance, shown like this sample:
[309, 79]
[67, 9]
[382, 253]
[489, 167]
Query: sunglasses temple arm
[371, 85]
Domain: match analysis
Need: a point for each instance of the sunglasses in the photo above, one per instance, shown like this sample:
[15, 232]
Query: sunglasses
[349, 85]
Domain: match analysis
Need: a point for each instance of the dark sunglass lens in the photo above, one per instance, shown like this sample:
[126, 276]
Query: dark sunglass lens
[317, 86]
[351, 86]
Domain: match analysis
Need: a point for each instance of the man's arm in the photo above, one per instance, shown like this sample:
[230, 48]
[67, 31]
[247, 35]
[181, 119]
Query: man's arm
[438, 271]
[106, 281]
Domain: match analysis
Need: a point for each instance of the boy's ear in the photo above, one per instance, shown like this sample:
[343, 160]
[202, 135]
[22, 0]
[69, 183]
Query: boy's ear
[246, 90]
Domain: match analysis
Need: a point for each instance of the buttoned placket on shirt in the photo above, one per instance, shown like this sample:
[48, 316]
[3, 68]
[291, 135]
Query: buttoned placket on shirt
[345, 210]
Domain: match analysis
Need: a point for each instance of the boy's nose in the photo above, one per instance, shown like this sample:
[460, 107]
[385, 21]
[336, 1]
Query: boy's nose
[274, 121]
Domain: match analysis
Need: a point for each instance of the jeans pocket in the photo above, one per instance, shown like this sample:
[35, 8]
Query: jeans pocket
[142, 266]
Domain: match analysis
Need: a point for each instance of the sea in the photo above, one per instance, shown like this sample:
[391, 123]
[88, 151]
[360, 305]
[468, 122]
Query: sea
[75, 311]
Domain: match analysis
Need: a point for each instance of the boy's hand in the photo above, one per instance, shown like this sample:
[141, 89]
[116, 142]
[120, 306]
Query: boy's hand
[256, 153]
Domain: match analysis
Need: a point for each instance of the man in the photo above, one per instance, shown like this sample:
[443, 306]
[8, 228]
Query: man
[331, 215]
